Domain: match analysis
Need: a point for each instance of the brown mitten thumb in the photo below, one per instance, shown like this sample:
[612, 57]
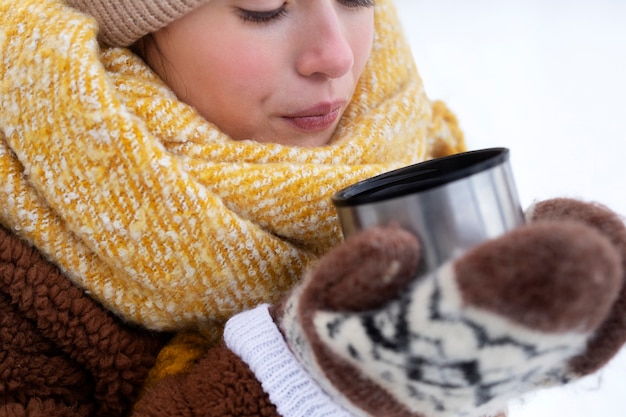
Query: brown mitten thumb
[609, 338]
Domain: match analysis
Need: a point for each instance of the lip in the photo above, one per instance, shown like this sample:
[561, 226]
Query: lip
[317, 118]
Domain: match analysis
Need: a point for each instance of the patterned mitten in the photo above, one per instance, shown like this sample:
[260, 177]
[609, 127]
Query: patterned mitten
[541, 305]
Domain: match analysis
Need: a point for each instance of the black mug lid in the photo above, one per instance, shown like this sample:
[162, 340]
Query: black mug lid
[420, 177]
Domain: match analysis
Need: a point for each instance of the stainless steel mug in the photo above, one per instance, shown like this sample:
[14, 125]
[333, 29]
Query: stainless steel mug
[450, 203]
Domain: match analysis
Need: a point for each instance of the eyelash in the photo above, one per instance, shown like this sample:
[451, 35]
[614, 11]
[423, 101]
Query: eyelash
[263, 16]
[358, 3]
[276, 14]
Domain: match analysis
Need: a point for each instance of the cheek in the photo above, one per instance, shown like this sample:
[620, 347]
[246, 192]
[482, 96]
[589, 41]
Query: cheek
[362, 45]
[229, 71]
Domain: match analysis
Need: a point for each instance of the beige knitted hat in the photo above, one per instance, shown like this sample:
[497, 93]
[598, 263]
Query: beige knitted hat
[122, 22]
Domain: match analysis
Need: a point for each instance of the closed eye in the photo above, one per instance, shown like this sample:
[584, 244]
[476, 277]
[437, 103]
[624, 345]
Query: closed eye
[263, 16]
[357, 3]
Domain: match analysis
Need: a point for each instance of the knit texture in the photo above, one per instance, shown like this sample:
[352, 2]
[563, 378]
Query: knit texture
[219, 384]
[509, 316]
[153, 211]
[180, 355]
[122, 22]
[254, 337]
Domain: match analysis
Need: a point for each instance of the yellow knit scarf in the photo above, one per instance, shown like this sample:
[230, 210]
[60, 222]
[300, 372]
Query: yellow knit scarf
[151, 209]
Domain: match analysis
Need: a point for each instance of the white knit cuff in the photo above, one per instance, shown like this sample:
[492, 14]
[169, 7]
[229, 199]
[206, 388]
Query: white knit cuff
[254, 337]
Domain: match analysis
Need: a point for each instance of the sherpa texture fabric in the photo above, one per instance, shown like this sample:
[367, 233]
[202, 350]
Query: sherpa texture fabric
[61, 353]
[151, 209]
[220, 384]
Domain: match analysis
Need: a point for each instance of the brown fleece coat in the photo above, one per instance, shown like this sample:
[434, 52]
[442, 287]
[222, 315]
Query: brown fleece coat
[61, 353]
[219, 385]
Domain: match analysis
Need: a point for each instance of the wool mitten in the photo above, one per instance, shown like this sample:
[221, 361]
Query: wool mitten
[542, 305]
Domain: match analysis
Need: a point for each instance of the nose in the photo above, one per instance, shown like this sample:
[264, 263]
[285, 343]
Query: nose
[325, 49]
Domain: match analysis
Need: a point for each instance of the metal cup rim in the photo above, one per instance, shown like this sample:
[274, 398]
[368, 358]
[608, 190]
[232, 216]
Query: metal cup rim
[420, 177]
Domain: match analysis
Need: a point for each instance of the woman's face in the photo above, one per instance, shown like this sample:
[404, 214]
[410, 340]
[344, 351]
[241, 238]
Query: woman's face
[267, 70]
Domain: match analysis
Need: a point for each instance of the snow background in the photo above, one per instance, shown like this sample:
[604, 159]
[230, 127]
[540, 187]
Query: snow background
[547, 79]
